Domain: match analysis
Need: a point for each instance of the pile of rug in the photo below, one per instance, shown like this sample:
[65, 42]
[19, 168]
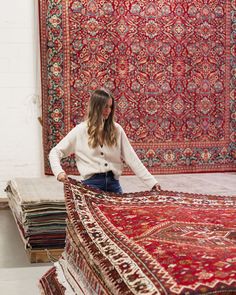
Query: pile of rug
[145, 243]
[38, 207]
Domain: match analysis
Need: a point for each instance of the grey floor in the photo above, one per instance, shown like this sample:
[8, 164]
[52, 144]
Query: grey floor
[19, 276]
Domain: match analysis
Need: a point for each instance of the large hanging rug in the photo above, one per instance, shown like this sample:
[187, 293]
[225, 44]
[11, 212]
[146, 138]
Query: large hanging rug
[170, 64]
[149, 242]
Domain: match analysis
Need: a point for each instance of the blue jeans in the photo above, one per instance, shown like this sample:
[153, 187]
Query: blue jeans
[105, 182]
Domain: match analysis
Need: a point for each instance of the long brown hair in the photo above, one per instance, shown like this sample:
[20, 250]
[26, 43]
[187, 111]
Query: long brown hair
[101, 131]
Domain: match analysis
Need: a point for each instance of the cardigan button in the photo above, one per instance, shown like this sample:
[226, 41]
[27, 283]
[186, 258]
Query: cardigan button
[106, 164]
[102, 153]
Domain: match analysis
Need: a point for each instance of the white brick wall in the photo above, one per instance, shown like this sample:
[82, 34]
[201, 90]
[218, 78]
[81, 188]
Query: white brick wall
[20, 131]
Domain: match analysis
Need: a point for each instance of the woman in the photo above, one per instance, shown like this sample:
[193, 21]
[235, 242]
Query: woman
[101, 147]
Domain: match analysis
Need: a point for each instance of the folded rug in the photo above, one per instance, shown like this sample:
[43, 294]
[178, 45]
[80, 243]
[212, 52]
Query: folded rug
[38, 207]
[148, 243]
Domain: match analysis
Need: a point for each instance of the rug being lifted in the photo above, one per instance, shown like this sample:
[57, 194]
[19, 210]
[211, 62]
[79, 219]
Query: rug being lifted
[170, 64]
[146, 243]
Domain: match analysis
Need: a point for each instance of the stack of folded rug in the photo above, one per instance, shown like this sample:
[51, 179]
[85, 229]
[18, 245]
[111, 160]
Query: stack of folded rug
[38, 207]
[145, 243]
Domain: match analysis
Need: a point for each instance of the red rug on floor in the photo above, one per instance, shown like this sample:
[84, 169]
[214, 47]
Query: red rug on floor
[50, 285]
[170, 64]
[151, 243]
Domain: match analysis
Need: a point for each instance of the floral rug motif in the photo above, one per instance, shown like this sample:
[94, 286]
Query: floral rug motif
[170, 64]
[151, 243]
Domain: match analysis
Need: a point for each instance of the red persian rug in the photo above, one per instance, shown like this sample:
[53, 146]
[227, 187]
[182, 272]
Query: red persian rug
[49, 284]
[150, 243]
[170, 64]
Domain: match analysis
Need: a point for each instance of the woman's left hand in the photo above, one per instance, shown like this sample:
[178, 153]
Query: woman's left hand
[156, 187]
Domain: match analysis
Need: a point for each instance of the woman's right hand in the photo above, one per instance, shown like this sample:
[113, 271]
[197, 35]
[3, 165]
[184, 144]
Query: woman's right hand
[62, 177]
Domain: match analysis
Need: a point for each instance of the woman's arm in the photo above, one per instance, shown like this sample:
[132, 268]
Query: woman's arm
[131, 159]
[63, 149]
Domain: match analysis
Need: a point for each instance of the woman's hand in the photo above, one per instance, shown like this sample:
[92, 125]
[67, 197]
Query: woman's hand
[62, 177]
[156, 187]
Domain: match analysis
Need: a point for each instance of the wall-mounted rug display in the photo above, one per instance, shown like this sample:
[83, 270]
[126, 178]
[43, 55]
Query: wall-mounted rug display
[170, 65]
[145, 243]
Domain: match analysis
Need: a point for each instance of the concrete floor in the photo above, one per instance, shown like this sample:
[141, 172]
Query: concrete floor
[19, 276]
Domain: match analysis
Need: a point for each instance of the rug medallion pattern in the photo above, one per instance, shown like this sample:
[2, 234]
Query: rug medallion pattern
[153, 243]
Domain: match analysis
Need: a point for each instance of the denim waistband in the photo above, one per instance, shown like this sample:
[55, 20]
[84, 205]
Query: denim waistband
[108, 173]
